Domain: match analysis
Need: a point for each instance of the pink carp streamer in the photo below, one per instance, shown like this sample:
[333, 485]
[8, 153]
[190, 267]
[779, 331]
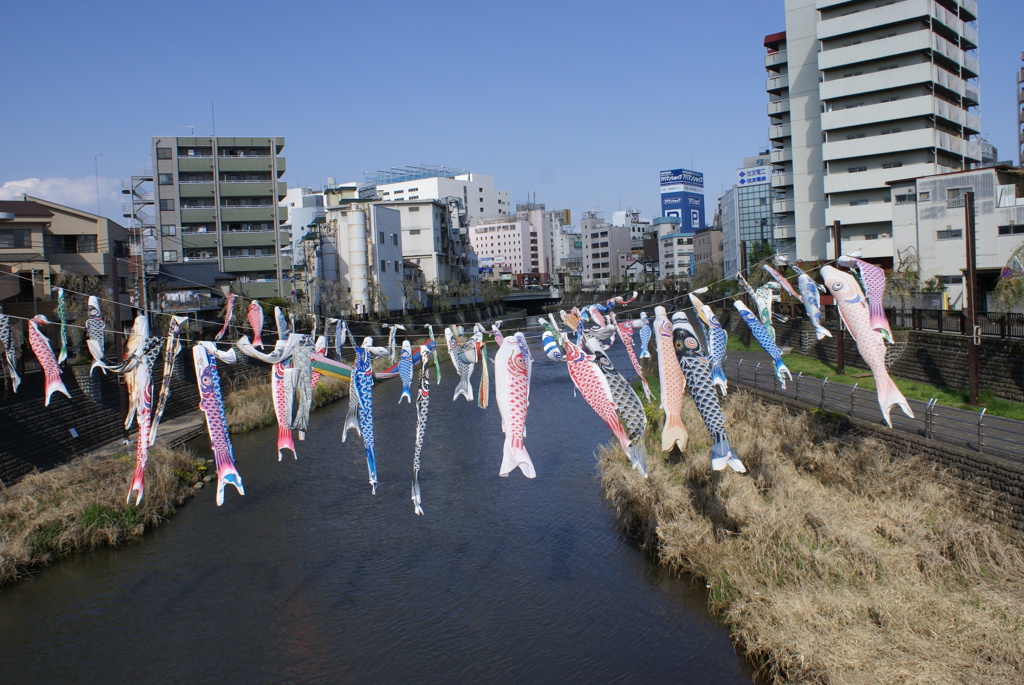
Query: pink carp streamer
[512, 370]
[256, 321]
[212, 404]
[41, 349]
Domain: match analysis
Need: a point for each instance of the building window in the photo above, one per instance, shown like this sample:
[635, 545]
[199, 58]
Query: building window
[170, 255]
[949, 234]
[168, 229]
[414, 209]
[16, 237]
[925, 196]
[383, 266]
[380, 237]
[1012, 229]
[857, 169]
[166, 205]
[951, 280]
[163, 153]
[954, 193]
[394, 238]
[892, 165]
[166, 179]
[904, 199]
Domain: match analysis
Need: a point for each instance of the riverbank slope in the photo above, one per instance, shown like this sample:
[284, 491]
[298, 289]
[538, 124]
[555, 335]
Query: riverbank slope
[834, 559]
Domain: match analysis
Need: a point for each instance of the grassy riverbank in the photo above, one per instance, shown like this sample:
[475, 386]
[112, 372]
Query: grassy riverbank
[81, 505]
[834, 560]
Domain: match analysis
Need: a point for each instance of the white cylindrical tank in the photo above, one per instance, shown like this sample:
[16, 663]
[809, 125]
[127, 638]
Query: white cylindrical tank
[357, 260]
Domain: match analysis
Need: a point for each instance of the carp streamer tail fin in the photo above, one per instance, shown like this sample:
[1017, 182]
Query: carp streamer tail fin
[406, 395]
[722, 456]
[371, 466]
[138, 483]
[464, 388]
[285, 441]
[515, 455]
[54, 384]
[227, 473]
[417, 499]
[638, 456]
[889, 396]
[718, 378]
[674, 433]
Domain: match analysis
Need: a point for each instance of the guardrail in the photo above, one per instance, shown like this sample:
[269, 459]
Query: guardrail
[995, 325]
[964, 429]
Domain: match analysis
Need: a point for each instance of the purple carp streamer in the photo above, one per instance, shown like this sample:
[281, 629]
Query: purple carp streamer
[422, 407]
[856, 314]
[212, 404]
[873, 279]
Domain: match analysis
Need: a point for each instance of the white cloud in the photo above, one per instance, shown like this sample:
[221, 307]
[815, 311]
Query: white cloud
[77, 193]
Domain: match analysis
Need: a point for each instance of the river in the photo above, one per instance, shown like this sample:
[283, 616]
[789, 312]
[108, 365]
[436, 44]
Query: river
[309, 578]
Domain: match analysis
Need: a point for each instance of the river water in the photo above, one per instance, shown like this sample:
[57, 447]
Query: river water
[309, 578]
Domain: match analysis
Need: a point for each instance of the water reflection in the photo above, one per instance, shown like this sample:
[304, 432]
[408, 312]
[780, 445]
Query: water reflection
[309, 578]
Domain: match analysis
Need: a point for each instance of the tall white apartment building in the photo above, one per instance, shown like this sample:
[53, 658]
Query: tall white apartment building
[427, 182]
[863, 92]
[638, 227]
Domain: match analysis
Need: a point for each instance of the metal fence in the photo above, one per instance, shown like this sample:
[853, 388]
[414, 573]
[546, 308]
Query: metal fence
[964, 429]
[992, 324]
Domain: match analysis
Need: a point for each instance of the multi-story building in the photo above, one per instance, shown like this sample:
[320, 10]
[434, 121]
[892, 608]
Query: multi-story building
[603, 245]
[217, 200]
[929, 218]
[360, 249]
[39, 239]
[517, 249]
[435, 238]
[675, 248]
[862, 93]
[707, 248]
[1020, 113]
[566, 250]
[303, 208]
[727, 210]
[637, 226]
[426, 182]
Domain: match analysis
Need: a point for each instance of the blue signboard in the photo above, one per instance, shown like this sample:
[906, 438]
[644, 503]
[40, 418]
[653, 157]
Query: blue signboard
[682, 196]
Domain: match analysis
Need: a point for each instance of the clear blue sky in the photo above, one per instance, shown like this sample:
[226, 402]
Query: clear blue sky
[581, 103]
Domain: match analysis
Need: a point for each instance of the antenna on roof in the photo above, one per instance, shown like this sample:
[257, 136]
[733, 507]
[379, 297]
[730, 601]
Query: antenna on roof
[192, 132]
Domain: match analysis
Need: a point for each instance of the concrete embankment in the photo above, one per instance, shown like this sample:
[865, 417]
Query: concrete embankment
[836, 558]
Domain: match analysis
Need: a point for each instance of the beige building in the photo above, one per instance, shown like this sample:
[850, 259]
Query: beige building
[40, 239]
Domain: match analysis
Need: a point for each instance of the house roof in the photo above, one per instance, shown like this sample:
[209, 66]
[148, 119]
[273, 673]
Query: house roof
[191, 275]
[24, 208]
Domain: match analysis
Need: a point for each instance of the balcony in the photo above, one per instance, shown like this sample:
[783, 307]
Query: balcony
[969, 36]
[240, 265]
[782, 180]
[891, 78]
[775, 59]
[871, 18]
[783, 155]
[194, 190]
[246, 188]
[844, 182]
[917, 41]
[920, 139]
[877, 212]
[245, 214]
[970, 7]
[193, 165]
[243, 164]
[247, 238]
[784, 231]
[972, 95]
[970, 67]
[777, 83]
[779, 132]
[783, 206]
[778, 106]
[204, 215]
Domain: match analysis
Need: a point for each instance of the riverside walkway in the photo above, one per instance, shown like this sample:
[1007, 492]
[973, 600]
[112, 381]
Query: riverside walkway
[976, 431]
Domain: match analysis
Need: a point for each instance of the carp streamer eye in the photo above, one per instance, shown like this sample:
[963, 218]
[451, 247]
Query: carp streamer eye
[691, 343]
[837, 286]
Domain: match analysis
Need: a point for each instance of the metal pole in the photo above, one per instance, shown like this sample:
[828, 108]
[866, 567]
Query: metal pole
[746, 301]
[971, 293]
[837, 251]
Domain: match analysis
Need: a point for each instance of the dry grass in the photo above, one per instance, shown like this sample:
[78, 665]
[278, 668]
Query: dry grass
[81, 505]
[252, 406]
[833, 560]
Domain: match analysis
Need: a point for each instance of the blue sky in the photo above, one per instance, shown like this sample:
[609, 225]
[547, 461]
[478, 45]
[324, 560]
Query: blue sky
[580, 103]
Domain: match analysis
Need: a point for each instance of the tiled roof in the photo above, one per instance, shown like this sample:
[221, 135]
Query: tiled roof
[24, 208]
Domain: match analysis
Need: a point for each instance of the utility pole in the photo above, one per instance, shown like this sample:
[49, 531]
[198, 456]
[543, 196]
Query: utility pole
[122, 390]
[742, 272]
[971, 292]
[837, 249]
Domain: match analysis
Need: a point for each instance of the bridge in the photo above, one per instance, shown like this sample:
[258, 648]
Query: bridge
[533, 300]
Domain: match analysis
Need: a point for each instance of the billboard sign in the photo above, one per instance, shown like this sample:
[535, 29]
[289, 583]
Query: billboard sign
[682, 196]
[753, 176]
